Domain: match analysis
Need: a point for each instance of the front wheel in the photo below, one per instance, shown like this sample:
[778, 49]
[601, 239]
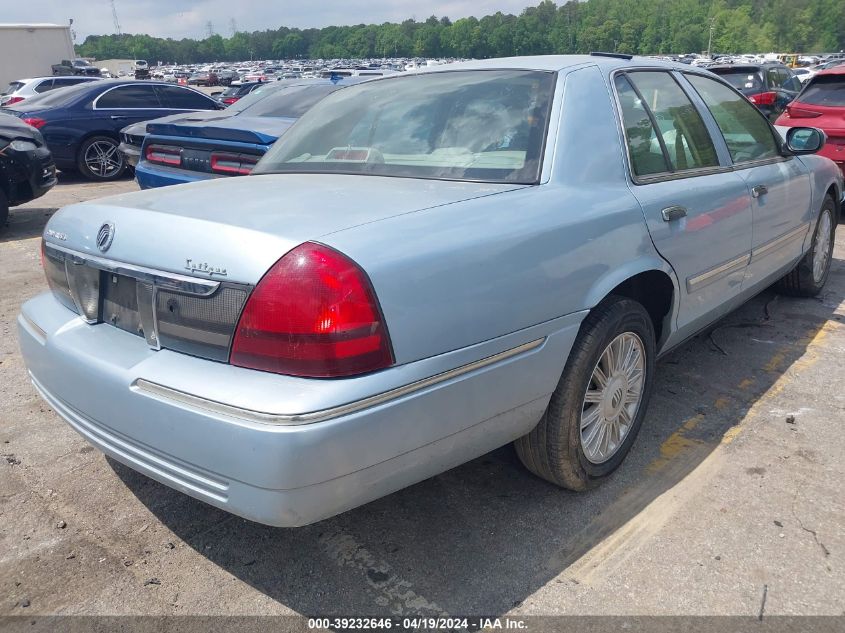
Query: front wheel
[810, 275]
[598, 407]
[100, 159]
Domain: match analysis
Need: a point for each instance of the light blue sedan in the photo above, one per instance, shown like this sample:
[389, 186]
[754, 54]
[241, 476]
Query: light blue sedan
[425, 268]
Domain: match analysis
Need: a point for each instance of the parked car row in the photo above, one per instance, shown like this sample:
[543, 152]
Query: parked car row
[422, 268]
[81, 124]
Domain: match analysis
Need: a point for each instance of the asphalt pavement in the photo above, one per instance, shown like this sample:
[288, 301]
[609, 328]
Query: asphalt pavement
[730, 503]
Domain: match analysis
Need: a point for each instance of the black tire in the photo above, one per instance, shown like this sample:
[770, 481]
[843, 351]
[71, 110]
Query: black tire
[553, 450]
[802, 281]
[4, 209]
[116, 161]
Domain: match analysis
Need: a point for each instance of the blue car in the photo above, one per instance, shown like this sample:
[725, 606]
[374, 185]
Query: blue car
[187, 148]
[82, 124]
[424, 268]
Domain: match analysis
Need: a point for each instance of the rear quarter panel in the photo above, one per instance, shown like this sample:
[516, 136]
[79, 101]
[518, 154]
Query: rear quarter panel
[468, 272]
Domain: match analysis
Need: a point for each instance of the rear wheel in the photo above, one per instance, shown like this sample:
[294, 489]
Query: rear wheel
[99, 159]
[598, 407]
[810, 275]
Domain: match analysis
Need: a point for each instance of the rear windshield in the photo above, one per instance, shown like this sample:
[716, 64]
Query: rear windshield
[824, 91]
[480, 125]
[13, 87]
[290, 102]
[743, 80]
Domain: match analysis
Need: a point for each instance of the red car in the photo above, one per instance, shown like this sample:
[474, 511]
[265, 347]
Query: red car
[821, 104]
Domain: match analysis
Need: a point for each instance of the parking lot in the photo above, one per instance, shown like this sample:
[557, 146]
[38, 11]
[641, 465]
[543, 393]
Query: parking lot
[730, 502]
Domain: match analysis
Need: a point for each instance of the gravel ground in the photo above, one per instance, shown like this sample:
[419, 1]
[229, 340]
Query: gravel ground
[731, 502]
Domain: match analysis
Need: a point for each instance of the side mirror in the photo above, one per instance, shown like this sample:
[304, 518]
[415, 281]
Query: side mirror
[805, 140]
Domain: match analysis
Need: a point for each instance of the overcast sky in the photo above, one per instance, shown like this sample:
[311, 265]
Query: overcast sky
[188, 18]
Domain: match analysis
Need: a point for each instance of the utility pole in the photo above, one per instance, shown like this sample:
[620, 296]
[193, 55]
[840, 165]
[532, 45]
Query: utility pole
[114, 17]
[710, 40]
[209, 28]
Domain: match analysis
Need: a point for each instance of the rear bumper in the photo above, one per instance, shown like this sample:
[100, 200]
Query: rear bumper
[31, 174]
[150, 177]
[132, 153]
[214, 448]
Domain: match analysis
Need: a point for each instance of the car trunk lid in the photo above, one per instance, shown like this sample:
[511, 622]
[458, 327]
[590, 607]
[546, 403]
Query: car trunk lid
[177, 265]
[243, 225]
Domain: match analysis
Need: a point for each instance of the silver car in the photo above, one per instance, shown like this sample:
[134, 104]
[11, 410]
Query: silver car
[425, 268]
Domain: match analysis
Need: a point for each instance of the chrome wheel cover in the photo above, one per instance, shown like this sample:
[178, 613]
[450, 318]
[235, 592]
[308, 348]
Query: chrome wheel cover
[821, 254]
[103, 159]
[613, 397]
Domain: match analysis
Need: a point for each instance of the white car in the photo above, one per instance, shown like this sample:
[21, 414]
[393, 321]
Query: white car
[23, 89]
[803, 74]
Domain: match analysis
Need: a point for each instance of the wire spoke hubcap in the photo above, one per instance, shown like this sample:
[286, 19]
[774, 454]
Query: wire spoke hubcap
[613, 397]
[821, 256]
[102, 158]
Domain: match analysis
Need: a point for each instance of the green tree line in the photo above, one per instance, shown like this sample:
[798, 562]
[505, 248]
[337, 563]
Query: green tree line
[624, 26]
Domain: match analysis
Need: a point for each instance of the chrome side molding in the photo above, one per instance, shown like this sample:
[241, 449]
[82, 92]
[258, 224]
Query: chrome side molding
[162, 392]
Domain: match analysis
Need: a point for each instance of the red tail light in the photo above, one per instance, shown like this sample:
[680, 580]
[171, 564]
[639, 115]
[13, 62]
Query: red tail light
[232, 164]
[229, 100]
[763, 98]
[13, 100]
[164, 155]
[796, 112]
[34, 121]
[313, 314]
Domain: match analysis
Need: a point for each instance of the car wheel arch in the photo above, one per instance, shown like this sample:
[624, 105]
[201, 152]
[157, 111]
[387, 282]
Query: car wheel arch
[652, 284]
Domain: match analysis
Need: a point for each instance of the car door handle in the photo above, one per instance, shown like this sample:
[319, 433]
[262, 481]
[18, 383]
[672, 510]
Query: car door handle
[118, 118]
[673, 213]
[759, 190]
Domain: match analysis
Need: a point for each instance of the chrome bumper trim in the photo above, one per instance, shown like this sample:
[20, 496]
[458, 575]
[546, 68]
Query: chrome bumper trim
[162, 392]
[36, 329]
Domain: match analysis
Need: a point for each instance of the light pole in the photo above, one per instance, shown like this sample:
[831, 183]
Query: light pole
[710, 40]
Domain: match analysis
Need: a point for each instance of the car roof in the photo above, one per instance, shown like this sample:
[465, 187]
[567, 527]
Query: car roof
[743, 67]
[555, 63]
[836, 70]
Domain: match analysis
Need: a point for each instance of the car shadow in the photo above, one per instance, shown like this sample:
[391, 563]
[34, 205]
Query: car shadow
[481, 538]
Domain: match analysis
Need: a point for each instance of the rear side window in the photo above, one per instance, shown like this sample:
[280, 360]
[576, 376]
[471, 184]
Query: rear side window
[13, 87]
[290, 102]
[184, 99]
[743, 80]
[44, 86]
[643, 146]
[775, 77]
[746, 132]
[70, 81]
[683, 136]
[131, 97]
[825, 91]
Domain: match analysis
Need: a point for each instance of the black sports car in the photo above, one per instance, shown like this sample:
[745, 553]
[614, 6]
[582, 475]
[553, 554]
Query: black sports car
[27, 170]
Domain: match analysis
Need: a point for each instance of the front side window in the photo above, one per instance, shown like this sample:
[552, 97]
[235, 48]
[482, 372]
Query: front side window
[135, 97]
[746, 132]
[685, 139]
[483, 125]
